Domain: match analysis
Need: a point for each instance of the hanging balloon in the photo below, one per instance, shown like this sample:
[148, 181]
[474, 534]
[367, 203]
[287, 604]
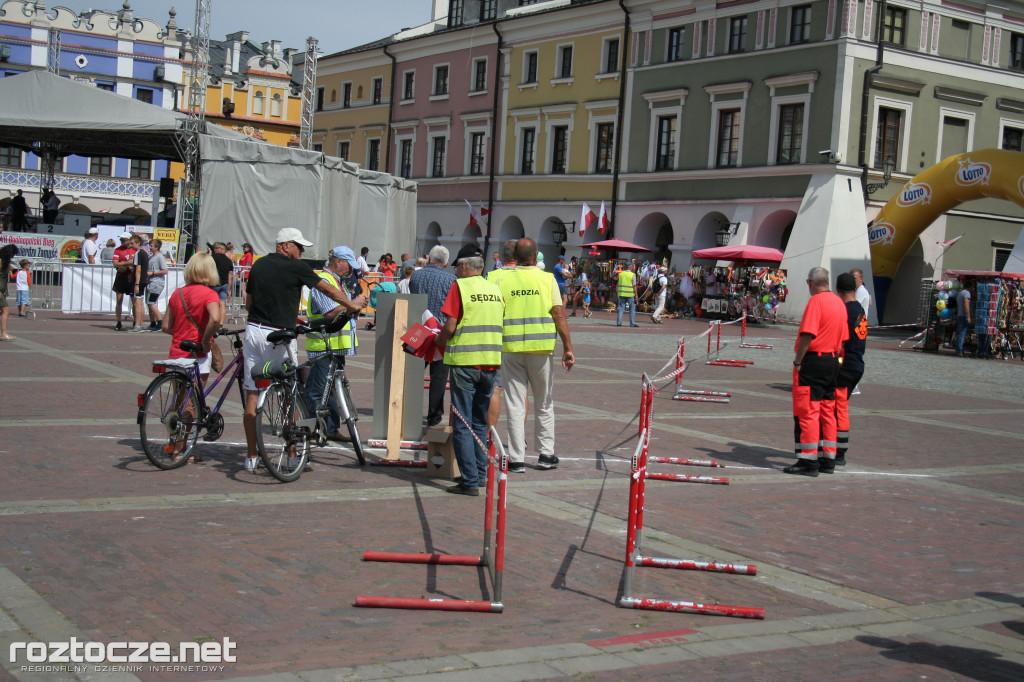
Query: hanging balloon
[940, 304]
[945, 313]
[764, 299]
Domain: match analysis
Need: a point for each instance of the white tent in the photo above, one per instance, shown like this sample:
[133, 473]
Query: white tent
[250, 189]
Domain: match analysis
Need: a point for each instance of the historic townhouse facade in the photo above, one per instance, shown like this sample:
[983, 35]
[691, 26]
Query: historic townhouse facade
[737, 112]
[353, 96]
[113, 51]
[250, 90]
[760, 122]
[560, 94]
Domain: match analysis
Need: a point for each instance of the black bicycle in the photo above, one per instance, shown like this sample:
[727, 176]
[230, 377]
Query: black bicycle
[284, 428]
[173, 410]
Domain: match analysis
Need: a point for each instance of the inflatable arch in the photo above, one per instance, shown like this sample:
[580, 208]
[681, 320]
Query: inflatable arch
[992, 173]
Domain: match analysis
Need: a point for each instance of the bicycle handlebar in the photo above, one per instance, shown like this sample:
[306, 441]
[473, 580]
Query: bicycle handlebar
[323, 325]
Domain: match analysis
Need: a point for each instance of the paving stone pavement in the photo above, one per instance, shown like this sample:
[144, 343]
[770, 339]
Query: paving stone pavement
[904, 564]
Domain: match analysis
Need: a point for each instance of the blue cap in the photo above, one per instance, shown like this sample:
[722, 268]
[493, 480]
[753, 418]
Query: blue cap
[346, 253]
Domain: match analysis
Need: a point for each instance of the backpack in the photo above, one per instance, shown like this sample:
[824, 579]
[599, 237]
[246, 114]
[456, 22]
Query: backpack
[656, 285]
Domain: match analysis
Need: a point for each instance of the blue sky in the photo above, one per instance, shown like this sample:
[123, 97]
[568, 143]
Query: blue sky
[337, 24]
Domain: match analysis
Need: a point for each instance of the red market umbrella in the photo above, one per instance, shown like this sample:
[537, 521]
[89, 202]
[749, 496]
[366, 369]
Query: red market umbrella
[740, 252]
[616, 244]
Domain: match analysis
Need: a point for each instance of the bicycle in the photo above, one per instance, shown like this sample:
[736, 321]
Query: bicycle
[173, 409]
[284, 428]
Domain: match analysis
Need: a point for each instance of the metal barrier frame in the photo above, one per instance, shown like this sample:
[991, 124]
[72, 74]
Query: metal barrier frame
[634, 534]
[492, 522]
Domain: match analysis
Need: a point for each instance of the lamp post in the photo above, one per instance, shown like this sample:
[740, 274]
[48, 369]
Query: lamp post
[559, 232]
[725, 233]
[887, 167]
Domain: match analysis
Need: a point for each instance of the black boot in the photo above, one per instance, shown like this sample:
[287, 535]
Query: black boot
[826, 465]
[803, 467]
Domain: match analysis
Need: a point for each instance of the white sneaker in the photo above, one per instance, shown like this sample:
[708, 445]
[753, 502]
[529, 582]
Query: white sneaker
[856, 390]
[251, 463]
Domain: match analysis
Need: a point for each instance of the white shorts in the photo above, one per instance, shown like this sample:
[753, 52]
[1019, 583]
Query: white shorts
[258, 350]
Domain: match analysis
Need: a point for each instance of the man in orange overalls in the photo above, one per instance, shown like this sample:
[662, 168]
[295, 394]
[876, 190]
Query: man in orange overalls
[819, 346]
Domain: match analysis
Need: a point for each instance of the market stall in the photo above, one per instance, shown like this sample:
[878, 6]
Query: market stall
[752, 284]
[998, 313]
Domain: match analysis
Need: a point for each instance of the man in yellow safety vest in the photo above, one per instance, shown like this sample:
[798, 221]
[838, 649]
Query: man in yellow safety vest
[627, 295]
[534, 318]
[339, 266]
[472, 332]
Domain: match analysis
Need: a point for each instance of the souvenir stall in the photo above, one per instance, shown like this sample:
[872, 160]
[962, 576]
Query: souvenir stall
[726, 292]
[602, 269]
[998, 321]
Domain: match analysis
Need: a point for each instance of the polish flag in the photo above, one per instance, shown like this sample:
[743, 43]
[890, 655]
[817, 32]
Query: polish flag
[484, 212]
[474, 217]
[587, 218]
[602, 220]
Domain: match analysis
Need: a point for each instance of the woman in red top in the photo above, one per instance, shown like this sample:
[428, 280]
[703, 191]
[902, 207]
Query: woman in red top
[203, 305]
[387, 266]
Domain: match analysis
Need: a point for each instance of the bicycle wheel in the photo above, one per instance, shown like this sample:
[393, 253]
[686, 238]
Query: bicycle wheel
[350, 422]
[169, 420]
[283, 446]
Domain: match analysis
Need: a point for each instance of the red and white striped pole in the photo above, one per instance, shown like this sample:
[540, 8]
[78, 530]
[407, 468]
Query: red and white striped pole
[680, 359]
[687, 478]
[692, 565]
[687, 462]
[693, 607]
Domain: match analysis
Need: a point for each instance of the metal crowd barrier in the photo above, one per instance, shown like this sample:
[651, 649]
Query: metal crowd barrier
[84, 288]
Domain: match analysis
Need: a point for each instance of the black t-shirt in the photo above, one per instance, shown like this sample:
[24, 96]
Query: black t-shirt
[855, 346]
[275, 284]
[224, 266]
[142, 260]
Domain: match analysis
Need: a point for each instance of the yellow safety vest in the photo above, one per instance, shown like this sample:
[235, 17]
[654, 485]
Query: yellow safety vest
[626, 284]
[529, 327]
[342, 341]
[477, 338]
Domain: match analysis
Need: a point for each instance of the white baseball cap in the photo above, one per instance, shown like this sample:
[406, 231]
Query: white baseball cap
[125, 235]
[94, 230]
[292, 234]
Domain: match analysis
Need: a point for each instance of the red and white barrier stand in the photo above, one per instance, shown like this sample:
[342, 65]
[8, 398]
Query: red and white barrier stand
[492, 522]
[634, 533]
[403, 445]
[414, 445]
[743, 338]
[721, 362]
[690, 394]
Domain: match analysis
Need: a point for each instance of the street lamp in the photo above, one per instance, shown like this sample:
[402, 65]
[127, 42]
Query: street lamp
[725, 232]
[887, 167]
[558, 234]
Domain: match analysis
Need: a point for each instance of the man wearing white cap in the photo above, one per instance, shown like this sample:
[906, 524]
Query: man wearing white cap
[272, 299]
[89, 249]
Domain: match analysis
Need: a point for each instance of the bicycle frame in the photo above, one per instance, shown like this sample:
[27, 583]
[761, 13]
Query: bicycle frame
[195, 381]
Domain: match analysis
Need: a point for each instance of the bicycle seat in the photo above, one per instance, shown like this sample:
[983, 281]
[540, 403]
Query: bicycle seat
[176, 363]
[281, 336]
[191, 346]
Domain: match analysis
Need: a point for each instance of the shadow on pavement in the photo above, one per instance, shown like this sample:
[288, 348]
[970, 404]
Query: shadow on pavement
[974, 664]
